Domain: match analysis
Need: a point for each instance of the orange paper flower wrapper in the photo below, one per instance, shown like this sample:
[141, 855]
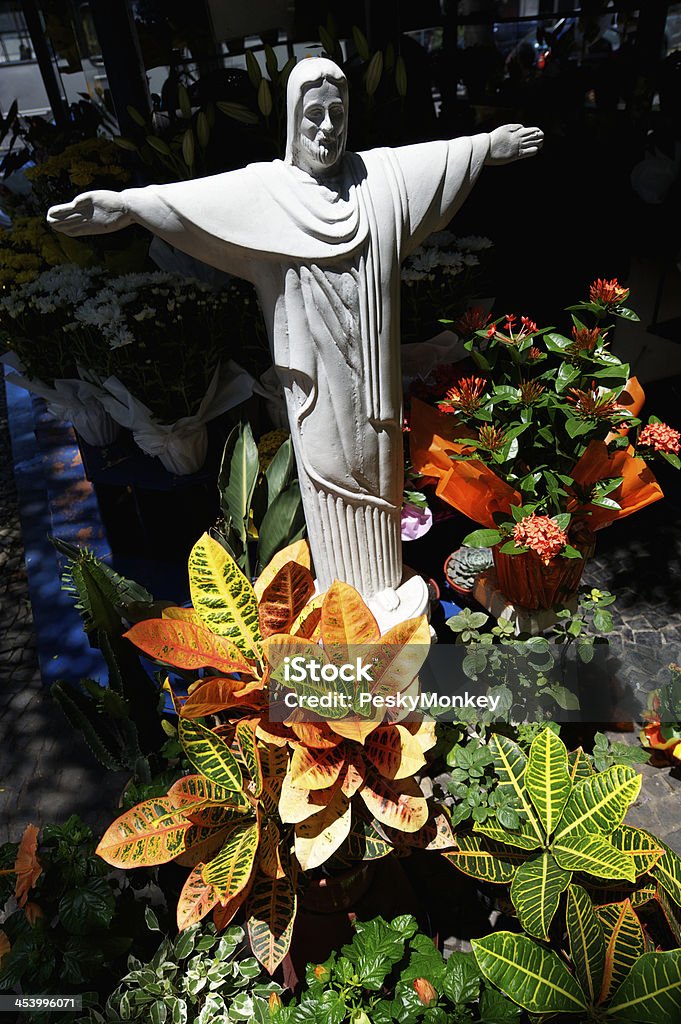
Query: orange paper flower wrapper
[470, 487]
[632, 398]
[638, 489]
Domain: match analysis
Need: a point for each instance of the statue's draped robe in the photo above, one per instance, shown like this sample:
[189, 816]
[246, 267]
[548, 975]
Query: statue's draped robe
[325, 260]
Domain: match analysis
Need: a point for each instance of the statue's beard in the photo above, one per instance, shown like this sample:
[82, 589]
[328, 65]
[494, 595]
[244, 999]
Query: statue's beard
[323, 154]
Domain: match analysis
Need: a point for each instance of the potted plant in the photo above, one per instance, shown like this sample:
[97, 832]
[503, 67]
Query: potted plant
[268, 798]
[542, 444]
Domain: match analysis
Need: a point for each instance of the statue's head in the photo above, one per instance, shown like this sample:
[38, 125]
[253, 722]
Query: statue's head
[316, 116]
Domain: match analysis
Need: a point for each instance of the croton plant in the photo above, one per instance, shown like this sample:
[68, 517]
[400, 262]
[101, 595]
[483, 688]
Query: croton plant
[266, 799]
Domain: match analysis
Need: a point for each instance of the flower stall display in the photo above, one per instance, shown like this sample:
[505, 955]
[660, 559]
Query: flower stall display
[439, 279]
[34, 322]
[537, 438]
[143, 350]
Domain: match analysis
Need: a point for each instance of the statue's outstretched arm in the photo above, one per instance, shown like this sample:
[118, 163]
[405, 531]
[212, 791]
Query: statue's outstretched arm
[101, 212]
[513, 142]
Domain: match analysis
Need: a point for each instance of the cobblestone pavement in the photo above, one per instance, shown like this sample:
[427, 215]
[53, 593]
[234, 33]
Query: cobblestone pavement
[46, 771]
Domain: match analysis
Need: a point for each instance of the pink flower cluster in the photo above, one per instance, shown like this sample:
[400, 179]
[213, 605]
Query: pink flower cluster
[541, 535]
[660, 437]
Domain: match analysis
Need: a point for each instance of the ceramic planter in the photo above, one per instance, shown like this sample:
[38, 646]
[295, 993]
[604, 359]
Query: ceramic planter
[526, 581]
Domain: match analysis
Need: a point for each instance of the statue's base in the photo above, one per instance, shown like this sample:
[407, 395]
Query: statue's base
[410, 600]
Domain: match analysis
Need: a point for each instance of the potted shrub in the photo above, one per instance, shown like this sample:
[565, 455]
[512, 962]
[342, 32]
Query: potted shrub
[542, 444]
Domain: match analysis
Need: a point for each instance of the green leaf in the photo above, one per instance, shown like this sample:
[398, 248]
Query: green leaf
[461, 981]
[401, 76]
[485, 859]
[373, 73]
[188, 148]
[566, 375]
[209, 755]
[592, 853]
[510, 763]
[530, 975]
[667, 871]
[625, 314]
[281, 523]
[600, 802]
[87, 908]
[238, 476]
[238, 112]
[652, 990]
[625, 943]
[265, 98]
[587, 943]
[185, 102]
[253, 69]
[482, 539]
[536, 891]
[361, 44]
[547, 778]
[159, 145]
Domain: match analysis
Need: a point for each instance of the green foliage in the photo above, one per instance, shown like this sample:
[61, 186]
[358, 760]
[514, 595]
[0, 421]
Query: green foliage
[262, 510]
[120, 721]
[572, 824]
[392, 972]
[82, 920]
[608, 752]
[576, 983]
[199, 977]
[530, 673]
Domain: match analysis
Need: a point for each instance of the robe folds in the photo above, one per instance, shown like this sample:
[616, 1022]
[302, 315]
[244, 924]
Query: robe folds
[325, 259]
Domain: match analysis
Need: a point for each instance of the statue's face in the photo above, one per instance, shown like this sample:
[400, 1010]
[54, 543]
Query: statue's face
[321, 142]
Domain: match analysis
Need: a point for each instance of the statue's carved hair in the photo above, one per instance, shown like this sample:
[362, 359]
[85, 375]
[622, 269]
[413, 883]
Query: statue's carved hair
[308, 73]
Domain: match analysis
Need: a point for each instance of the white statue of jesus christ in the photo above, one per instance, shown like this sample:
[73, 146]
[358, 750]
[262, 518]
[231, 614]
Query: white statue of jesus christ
[322, 235]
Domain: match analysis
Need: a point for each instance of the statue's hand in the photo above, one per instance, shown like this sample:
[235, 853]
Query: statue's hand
[513, 142]
[92, 213]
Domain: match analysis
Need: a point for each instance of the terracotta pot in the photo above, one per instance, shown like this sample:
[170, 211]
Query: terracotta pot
[526, 581]
[450, 582]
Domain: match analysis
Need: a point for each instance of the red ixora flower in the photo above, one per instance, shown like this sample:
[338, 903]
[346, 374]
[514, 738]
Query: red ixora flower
[592, 404]
[541, 535]
[660, 437]
[608, 293]
[491, 438]
[466, 396]
[585, 338]
[509, 334]
[472, 320]
[534, 353]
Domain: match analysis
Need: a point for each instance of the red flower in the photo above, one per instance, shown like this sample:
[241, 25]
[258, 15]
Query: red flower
[608, 293]
[466, 396]
[592, 405]
[585, 338]
[541, 535]
[530, 391]
[534, 353]
[661, 438]
[491, 438]
[472, 320]
[527, 327]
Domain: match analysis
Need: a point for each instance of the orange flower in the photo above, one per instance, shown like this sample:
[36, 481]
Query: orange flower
[274, 1003]
[534, 353]
[5, 945]
[466, 396]
[661, 438]
[608, 293]
[27, 866]
[425, 991]
[541, 535]
[585, 338]
[491, 438]
[530, 391]
[592, 405]
[472, 320]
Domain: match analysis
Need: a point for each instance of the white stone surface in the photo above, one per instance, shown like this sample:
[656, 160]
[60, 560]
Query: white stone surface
[322, 235]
